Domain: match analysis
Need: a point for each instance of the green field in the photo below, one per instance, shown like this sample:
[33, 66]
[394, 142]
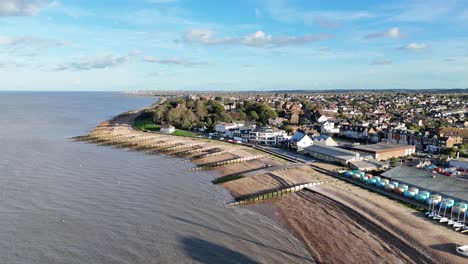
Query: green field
[144, 124]
[183, 133]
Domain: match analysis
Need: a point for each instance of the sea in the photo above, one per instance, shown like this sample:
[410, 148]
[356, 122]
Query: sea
[73, 202]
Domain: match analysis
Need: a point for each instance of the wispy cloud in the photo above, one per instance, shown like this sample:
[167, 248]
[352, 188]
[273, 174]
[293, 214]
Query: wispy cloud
[173, 61]
[8, 64]
[381, 62]
[26, 45]
[104, 62]
[283, 11]
[29, 41]
[20, 7]
[414, 47]
[256, 39]
[327, 23]
[422, 10]
[392, 33]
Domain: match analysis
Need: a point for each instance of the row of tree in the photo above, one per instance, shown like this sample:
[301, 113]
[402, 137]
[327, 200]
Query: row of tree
[188, 114]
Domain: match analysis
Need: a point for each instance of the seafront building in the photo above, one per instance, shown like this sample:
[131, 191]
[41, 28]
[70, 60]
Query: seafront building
[386, 151]
[332, 154]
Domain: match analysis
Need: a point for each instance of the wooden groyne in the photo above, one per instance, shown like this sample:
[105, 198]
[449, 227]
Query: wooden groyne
[227, 162]
[274, 194]
[216, 152]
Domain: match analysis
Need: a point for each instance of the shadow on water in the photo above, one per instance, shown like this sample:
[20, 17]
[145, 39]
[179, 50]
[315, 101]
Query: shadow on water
[210, 253]
[243, 238]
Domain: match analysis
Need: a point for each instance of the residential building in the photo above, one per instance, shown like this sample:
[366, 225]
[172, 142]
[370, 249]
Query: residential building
[299, 141]
[324, 140]
[266, 136]
[354, 131]
[329, 128]
[222, 127]
[167, 129]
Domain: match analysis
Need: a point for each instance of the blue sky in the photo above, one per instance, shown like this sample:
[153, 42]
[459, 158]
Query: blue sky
[232, 45]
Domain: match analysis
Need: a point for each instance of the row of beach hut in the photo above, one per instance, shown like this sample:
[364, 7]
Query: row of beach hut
[443, 209]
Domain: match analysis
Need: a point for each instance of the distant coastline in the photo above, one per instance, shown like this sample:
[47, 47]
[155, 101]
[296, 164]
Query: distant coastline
[298, 91]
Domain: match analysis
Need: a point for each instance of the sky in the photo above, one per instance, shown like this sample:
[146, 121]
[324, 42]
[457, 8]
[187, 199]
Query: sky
[116, 45]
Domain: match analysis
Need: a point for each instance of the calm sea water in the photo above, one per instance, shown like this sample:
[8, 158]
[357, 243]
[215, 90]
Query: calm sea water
[69, 202]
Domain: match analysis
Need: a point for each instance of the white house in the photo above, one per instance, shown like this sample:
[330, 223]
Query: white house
[167, 129]
[300, 141]
[222, 127]
[322, 119]
[329, 128]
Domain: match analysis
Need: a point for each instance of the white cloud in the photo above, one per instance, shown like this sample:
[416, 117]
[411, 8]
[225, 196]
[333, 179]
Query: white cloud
[104, 62]
[414, 46]
[206, 36]
[20, 7]
[255, 39]
[172, 61]
[393, 33]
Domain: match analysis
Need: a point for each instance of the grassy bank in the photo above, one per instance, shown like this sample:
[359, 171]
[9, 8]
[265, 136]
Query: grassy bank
[183, 133]
[144, 122]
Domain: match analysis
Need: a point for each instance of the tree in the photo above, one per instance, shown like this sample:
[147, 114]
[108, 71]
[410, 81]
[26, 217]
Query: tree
[254, 115]
[394, 162]
[200, 110]
[288, 128]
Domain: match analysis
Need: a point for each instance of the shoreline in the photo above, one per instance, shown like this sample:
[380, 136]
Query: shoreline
[295, 211]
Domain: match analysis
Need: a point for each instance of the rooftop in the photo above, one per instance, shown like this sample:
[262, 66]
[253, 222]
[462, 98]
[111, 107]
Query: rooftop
[443, 185]
[332, 151]
[381, 147]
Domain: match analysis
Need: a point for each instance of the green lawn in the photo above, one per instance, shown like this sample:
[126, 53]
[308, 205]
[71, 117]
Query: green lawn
[183, 133]
[146, 125]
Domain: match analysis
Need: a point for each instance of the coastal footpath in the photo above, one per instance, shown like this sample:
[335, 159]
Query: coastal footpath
[338, 222]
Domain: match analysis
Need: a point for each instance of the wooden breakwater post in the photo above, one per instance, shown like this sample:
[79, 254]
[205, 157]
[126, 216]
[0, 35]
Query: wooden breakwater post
[210, 154]
[191, 151]
[227, 162]
[274, 194]
[180, 147]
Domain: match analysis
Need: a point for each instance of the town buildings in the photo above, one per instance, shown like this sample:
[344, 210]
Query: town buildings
[386, 151]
